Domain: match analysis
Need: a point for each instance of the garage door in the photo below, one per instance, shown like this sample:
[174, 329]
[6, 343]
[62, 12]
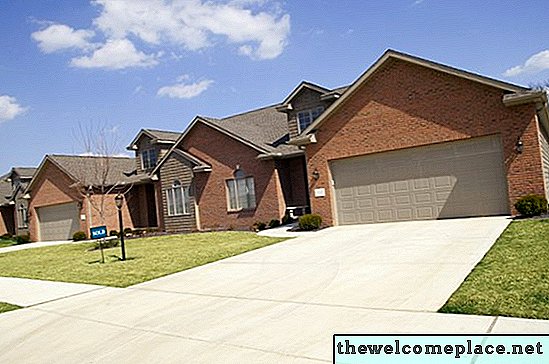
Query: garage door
[58, 222]
[455, 179]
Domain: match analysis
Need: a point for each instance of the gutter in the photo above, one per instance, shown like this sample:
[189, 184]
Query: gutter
[278, 155]
[303, 140]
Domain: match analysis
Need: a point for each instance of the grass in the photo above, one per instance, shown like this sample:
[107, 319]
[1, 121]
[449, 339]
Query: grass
[512, 279]
[147, 258]
[5, 307]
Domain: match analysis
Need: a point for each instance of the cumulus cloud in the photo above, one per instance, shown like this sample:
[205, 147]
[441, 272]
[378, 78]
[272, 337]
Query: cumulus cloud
[10, 108]
[115, 54]
[183, 90]
[537, 63]
[58, 37]
[258, 29]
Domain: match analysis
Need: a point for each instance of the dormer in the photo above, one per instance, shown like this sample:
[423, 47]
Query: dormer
[150, 146]
[306, 103]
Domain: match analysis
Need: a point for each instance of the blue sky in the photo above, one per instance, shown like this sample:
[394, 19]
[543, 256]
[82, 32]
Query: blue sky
[129, 64]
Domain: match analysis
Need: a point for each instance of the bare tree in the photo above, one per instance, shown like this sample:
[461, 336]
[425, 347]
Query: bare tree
[541, 86]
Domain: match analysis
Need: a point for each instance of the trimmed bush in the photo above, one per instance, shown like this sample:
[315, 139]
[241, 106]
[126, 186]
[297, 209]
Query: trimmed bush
[6, 236]
[22, 239]
[79, 236]
[113, 233]
[128, 231]
[531, 205]
[274, 223]
[309, 222]
[286, 219]
[107, 244]
[258, 226]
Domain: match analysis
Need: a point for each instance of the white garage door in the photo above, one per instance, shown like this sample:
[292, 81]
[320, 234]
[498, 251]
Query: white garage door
[455, 179]
[58, 222]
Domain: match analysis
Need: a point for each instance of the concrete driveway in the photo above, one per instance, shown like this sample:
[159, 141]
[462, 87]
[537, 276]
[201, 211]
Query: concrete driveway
[277, 304]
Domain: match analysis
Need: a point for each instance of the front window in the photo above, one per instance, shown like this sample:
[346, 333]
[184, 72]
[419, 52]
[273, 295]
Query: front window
[148, 159]
[23, 217]
[241, 193]
[178, 199]
[306, 117]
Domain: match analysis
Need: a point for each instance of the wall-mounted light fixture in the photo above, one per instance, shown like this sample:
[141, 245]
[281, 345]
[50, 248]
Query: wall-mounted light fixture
[316, 174]
[519, 146]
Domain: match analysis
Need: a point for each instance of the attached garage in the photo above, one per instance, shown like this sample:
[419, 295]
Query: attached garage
[454, 179]
[58, 222]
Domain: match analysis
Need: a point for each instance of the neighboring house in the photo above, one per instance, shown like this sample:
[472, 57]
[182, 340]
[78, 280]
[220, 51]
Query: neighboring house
[231, 173]
[412, 139]
[13, 205]
[69, 193]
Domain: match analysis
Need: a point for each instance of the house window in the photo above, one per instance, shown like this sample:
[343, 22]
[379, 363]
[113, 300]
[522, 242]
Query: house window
[178, 199]
[148, 159]
[23, 217]
[241, 193]
[305, 118]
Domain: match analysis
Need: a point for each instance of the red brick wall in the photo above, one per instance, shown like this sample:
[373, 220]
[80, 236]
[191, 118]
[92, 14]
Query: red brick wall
[404, 105]
[110, 213]
[224, 154]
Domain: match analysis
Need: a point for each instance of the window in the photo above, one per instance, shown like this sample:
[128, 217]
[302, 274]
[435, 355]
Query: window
[305, 118]
[23, 217]
[178, 199]
[148, 159]
[241, 193]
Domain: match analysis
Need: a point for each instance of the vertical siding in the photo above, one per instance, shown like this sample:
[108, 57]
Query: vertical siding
[544, 141]
[177, 168]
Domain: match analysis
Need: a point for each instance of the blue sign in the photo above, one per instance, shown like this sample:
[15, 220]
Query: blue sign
[98, 232]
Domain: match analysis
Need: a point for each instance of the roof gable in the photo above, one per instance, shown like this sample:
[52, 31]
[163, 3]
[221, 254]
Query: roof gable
[388, 56]
[156, 136]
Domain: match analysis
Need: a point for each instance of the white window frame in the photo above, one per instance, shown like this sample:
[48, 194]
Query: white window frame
[146, 156]
[174, 208]
[244, 190]
[22, 217]
[311, 114]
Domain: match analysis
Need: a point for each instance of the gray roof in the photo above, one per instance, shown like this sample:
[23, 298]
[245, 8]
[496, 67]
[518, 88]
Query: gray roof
[5, 189]
[88, 170]
[164, 134]
[266, 128]
[24, 172]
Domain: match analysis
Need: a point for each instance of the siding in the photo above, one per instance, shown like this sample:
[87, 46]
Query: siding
[306, 99]
[177, 168]
[544, 142]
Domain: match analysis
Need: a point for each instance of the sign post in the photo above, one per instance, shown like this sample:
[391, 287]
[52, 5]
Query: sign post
[99, 233]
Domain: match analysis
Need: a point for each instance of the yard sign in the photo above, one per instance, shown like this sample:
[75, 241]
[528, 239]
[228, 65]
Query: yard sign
[98, 232]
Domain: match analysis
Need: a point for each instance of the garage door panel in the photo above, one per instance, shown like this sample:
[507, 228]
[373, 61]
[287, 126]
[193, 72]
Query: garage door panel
[58, 222]
[438, 181]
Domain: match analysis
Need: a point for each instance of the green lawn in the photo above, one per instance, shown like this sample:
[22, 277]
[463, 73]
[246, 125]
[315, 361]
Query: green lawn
[512, 279]
[148, 258]
[5, 307]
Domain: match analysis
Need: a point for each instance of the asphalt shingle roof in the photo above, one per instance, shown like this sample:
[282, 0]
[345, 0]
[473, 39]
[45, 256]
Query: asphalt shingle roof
[266, 128]
[164, 134]
[5, 189]
[89, 170]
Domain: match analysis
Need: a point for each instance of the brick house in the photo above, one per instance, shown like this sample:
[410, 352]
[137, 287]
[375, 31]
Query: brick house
[13, 207]
[74, 193]
[413, 139]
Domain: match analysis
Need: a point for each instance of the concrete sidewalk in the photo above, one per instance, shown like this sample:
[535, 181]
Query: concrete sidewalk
[29, 292]
[17, 247]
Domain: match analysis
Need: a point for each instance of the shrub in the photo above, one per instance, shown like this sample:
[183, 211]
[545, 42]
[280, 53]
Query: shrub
[113, 233]
[6, 236]
[107, 244]
[79, 235]
[286, 219]
[258, 226]
[274, 223]
[128, 231]
[309, 222]
[22, 239]
[531, 205]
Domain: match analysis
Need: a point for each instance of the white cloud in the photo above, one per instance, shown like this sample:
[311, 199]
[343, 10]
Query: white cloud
[182, 90]
[115, 54]
[61, 37]
[537, 63]
[417, 2]
[9, 108]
